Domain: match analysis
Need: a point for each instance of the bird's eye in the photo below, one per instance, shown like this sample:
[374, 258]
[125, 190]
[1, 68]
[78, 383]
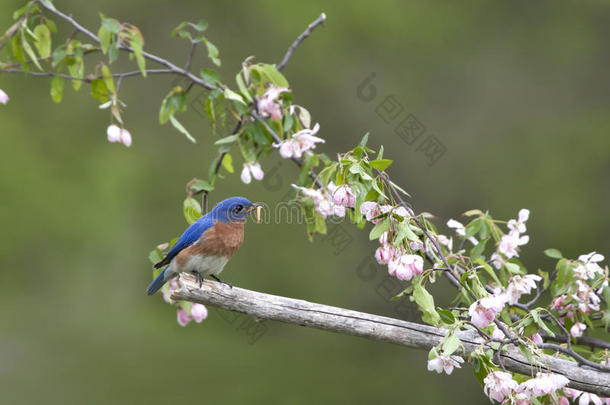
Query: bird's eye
[238, 209]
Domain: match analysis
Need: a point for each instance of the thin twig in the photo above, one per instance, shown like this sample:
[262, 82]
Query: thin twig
[575, 356]
[318, 21]
[90, 78]
[149, 56]
[187, 67]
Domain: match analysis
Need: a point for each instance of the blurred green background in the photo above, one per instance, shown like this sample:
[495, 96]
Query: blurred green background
[517, 92]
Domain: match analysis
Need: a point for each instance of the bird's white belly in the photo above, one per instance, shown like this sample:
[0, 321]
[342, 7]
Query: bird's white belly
[204, 265]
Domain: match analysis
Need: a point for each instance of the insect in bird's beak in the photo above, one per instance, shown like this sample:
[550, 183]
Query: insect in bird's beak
[258, 208]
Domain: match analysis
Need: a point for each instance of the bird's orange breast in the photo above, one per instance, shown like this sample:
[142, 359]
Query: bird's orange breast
[220, 240]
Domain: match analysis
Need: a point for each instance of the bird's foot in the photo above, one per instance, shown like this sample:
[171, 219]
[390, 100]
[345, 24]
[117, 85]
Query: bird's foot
[220, 281]
[199, 278]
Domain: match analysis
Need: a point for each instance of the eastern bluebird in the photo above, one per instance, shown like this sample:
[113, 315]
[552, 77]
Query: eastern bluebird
[207, 245]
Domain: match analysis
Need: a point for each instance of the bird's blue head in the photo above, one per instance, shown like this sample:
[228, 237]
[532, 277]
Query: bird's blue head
[233, 209]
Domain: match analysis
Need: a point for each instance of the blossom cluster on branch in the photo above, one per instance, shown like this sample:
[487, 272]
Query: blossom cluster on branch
[481, 260]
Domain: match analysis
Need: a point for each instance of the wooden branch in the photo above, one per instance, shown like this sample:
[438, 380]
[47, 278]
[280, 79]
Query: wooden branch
[309, 314]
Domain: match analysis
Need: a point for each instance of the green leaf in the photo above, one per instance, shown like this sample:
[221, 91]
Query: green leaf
[137, 43]
[191, 210]
[364, 140]
[242, 87]
[227, 163]
[380, 228]
[473, 227]
[488, 269]
[105, 37]
[271, 73]
[446, 316]
[553, 253]
[450, 344]
[209, 76]
[212, 51]
[320, 224]
[99, 91]
[380, 164]
[478, 250]
[30, 52]
[107, 77]
[514, 268]
[57, 89]
[111, 25]
[425, 302]
[180, 128]
[231, 95]
[541, 323]
[155, 256]
[201, 185]
[227, 139]
[43, 45]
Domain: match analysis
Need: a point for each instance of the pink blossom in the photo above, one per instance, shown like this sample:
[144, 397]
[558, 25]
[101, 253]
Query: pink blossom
[169, 288]
[511, 242]
[498, 385]
[384, 253]
[405, 266]
[519, 225]
[484, 311]
[588, 267]
[251, 170]
[585, 297]
[536, 338]
[116, 134]
[183, 317]
[543, 384]
[323, 201]
[577, 329]
[344, 196]
[370, 210]
[520, 285]
[199, 312]
[3, 97]
[269, 105]
[444, 363]
[300, 142]
[587, 398]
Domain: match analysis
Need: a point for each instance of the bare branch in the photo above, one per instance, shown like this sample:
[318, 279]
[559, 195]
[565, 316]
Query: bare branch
[313, 315]
[318, 21]
[88, 79]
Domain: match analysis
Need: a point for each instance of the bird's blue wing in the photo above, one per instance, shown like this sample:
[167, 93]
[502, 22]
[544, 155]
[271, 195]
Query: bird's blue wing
[189, 236]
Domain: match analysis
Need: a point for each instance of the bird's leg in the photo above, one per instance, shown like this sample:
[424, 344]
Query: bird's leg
[220, 281]
[199, 277]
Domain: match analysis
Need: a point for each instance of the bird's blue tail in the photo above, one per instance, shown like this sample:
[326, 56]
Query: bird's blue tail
[157, 283]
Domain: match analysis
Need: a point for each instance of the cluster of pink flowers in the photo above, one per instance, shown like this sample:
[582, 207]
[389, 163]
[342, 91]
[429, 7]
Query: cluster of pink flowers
[299, 143]
[484, 311]
[251, 170]
[117, 134]
[444, 363]
[509, 244]
[3, 97]
[500, 387]
[520, 285]
[324, 201]
[269, 104]
[588, 266]
[197, 313]
[402, 264]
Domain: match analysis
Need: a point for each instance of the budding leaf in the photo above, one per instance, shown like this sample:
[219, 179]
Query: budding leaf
[57, 89]
[553, 253]
[191, 210]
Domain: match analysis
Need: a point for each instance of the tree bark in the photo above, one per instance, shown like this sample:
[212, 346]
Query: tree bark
[313, 315]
